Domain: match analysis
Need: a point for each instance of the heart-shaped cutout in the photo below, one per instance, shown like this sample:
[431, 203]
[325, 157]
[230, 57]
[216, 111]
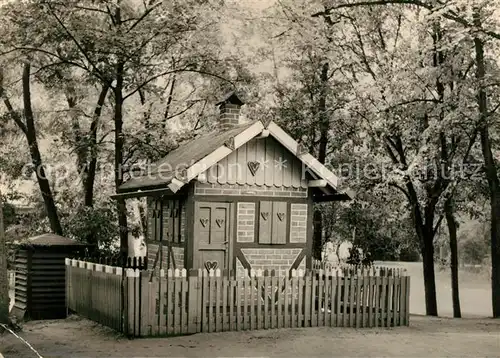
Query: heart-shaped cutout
[253, 166]
[211, 265]
[204, 222]
[281, 216]
[264, 215]
[219, 222]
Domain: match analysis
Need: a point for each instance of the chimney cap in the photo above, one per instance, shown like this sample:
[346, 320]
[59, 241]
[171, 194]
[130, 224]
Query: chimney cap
[232, 98]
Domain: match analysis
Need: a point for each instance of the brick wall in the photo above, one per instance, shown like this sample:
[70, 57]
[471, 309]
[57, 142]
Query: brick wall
[246, 222]
[178, 256]
[248, 190]
[280, 260]
[298, 222]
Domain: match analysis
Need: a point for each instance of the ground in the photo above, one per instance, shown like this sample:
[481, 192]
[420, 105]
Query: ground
[438, 337]
[426, 337]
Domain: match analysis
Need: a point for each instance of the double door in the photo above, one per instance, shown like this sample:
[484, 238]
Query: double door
[212, 235]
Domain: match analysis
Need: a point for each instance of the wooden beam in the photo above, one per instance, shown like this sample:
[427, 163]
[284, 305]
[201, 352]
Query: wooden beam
[248, 134]
[263, 134]
[175, 185]
[202, 177]
[321, 183]
[142, 193]
[335, 197]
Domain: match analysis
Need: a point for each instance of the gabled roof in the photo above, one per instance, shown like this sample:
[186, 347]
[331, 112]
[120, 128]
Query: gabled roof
[190, 152]
[192, 158]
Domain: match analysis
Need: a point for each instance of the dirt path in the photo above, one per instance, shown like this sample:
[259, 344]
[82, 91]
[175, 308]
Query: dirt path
[437, 337]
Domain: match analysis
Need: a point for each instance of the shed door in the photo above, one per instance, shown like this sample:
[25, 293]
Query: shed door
[212, 235]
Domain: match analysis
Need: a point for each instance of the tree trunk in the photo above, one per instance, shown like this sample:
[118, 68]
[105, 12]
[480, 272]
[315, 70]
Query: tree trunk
[490, 169]
[429, 277]
[324, 126]
[452, 230]
[92, 162]
[36, 157]
[4, 279]
[425, 233]
[119, 145]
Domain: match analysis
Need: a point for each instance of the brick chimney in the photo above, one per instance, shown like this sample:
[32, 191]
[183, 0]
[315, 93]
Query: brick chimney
[230, 108]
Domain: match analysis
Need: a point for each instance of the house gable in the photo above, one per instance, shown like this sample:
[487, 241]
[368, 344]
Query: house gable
[259, 162]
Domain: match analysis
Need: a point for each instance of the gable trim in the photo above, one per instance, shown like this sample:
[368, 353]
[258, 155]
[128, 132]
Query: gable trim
[291, 144]
[319, 171]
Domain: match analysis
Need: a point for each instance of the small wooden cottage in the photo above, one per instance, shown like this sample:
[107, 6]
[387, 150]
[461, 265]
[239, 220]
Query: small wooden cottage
[240, 197]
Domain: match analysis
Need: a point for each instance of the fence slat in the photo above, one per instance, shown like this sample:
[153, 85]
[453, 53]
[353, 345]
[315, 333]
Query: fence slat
[407, 305]
[275, 294]
[383, 302]
[371, 302]
[266, 294]
[352, 296]
[366, 306]
[324, 299]
[260, 320]
[294, 293]
[397, 299]
[247, 283]
[225, 325]
[313, 321]
[390, 289]
[301, 287]
[358, 308]
[286, 308]
[231, 299]
[333, 300]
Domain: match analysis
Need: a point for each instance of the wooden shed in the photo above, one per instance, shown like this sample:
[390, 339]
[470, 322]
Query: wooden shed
[40, 291]
[239, 197]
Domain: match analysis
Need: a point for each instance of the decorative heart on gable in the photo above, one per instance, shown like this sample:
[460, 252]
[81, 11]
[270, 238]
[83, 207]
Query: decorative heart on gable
[253, 166]
[211, 265]
[281, 216]
[204, 222]
[219, 222]
[264, 215]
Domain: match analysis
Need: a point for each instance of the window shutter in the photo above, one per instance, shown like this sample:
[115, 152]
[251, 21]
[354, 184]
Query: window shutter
[265, 222]
[279, 223]
[157, 220]
[175, 221]
[150, 220]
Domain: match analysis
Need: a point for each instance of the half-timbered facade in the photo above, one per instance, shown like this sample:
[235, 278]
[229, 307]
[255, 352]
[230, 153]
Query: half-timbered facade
[238, 198]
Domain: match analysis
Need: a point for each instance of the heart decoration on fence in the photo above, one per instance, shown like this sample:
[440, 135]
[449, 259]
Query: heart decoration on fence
[211, 265]
[204, 222]
[281, 216]
[253, 166]
[264, 215]
[219, 222]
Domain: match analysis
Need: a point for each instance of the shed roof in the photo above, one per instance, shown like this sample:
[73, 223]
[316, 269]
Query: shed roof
[49, 240]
